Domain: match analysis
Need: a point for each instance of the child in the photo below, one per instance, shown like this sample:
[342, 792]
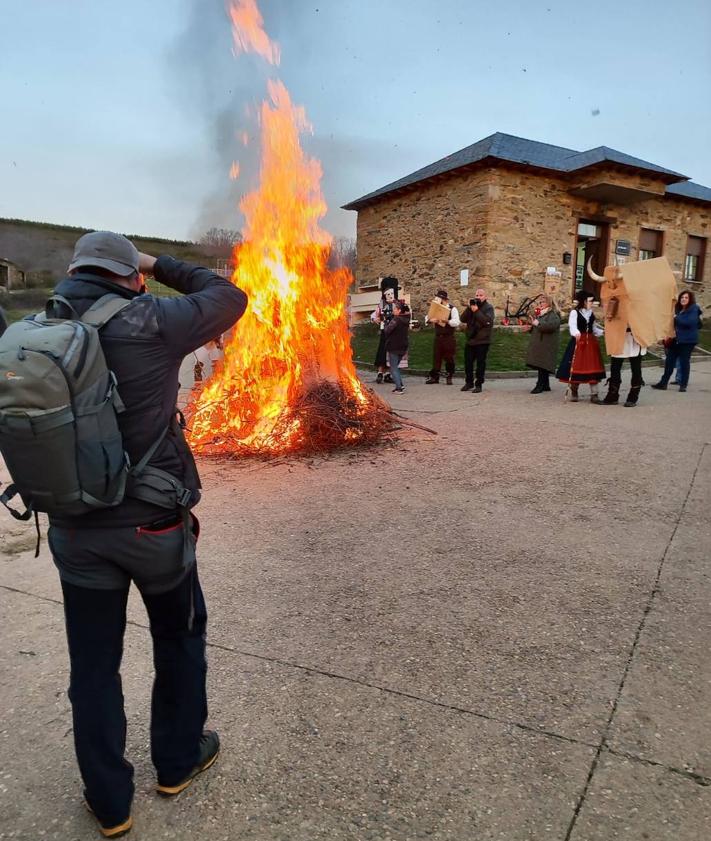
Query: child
[396, 341]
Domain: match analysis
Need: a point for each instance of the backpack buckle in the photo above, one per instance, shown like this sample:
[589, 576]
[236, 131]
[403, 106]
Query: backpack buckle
[184, 497]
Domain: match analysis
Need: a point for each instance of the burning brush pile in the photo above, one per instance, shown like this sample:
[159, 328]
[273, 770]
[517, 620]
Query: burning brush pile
[287, 382]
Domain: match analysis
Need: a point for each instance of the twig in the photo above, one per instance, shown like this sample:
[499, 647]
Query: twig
[407, 422]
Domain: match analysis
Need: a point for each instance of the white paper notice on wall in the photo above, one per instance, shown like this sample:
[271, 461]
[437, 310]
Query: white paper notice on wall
[464, 277]
[551, 270]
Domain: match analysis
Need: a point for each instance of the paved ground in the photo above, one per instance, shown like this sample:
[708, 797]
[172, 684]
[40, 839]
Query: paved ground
[501, 632]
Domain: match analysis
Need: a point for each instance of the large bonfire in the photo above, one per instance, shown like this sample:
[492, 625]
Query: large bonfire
[287, 382]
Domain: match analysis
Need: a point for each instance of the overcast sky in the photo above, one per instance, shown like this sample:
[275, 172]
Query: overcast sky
[123, 115]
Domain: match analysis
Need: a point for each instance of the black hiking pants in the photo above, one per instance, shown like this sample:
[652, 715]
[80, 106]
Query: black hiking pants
[475, 354]
[95, 623]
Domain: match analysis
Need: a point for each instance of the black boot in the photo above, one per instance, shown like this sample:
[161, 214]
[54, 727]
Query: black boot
[661, 385]
[613, 395]
[632, 396]
[433, 379]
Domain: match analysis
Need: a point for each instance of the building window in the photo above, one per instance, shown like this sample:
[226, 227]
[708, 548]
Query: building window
[694, 262]
[650, 244]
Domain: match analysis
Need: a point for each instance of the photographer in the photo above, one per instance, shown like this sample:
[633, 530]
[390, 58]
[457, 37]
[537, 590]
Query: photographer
[479, 321]
[99, 554]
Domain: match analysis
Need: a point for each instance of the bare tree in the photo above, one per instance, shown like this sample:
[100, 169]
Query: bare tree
[343, 254]
[219, 242]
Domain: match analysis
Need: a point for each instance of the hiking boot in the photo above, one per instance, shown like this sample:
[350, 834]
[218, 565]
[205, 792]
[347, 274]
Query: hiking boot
[209, 751]
[660, 386]
[449, 379]
[466, 387]
[682, 389]
[432, 380]
[632, 397]
[379, 378]
[112, 831]
[612, 396]
[477, 389]
[388, 379]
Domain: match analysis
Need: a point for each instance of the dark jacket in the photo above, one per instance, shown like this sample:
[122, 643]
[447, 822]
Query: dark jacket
[3, 322]
[480, 324]
[397, 336]
[543, 345]
[144, 345]
[686, 325]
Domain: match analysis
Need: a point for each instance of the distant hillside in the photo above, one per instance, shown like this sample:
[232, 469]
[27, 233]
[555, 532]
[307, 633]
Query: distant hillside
[43, 250]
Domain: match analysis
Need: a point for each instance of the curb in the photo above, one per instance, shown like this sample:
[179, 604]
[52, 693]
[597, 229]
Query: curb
[490, 375]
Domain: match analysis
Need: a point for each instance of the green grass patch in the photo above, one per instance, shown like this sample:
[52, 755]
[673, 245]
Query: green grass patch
[507, 353]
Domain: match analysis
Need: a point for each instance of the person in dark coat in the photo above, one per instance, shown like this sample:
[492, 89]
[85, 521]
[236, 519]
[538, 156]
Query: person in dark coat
[542, 353]
[397, 339]
[479, 320]
[687, 323]
[381, 316]
[101, 553]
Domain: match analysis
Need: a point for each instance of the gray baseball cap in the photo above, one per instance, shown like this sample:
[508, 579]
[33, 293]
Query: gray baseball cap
[107, 251]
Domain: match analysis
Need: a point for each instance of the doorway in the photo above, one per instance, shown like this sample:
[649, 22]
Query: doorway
[591, 242]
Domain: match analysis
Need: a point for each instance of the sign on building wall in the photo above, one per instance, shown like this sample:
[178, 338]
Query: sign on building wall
[622, 247]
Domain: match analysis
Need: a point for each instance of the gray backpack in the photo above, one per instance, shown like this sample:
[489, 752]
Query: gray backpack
[59, 433]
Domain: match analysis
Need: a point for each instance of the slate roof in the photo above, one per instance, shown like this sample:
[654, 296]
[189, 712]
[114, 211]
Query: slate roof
[507, 147]
[690, 190]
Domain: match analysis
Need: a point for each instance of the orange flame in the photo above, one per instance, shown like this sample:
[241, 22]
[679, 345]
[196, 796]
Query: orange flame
[294, 335]
[248, 31]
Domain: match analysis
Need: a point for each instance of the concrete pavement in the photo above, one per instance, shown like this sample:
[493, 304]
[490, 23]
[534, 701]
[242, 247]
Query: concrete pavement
[498, 632]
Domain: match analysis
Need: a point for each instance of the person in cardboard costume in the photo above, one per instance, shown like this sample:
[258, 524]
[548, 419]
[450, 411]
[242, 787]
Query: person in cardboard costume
[638, 299]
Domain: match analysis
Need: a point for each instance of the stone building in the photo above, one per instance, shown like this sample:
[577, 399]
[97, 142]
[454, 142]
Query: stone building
[506, 211]
[11, 275]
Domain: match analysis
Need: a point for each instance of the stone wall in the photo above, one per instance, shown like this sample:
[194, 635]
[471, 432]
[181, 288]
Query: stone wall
[533, 221]
[506, 226]
[426, 237]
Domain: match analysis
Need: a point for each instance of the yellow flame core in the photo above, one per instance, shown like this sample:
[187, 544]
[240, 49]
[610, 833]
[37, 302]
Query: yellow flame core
[295, 330]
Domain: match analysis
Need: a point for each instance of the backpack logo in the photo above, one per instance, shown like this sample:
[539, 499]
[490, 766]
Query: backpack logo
[11, 375]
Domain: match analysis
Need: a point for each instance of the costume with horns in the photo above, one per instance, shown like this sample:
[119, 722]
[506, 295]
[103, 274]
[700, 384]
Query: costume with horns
[639, 304]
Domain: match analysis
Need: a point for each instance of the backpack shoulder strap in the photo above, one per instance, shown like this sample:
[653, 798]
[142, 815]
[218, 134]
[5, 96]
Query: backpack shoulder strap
[103, 310]
[55, 304]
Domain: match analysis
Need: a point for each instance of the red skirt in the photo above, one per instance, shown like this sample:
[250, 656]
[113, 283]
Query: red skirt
[582, 361]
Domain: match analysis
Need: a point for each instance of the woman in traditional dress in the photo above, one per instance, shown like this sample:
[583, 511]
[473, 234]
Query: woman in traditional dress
[582, 360]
